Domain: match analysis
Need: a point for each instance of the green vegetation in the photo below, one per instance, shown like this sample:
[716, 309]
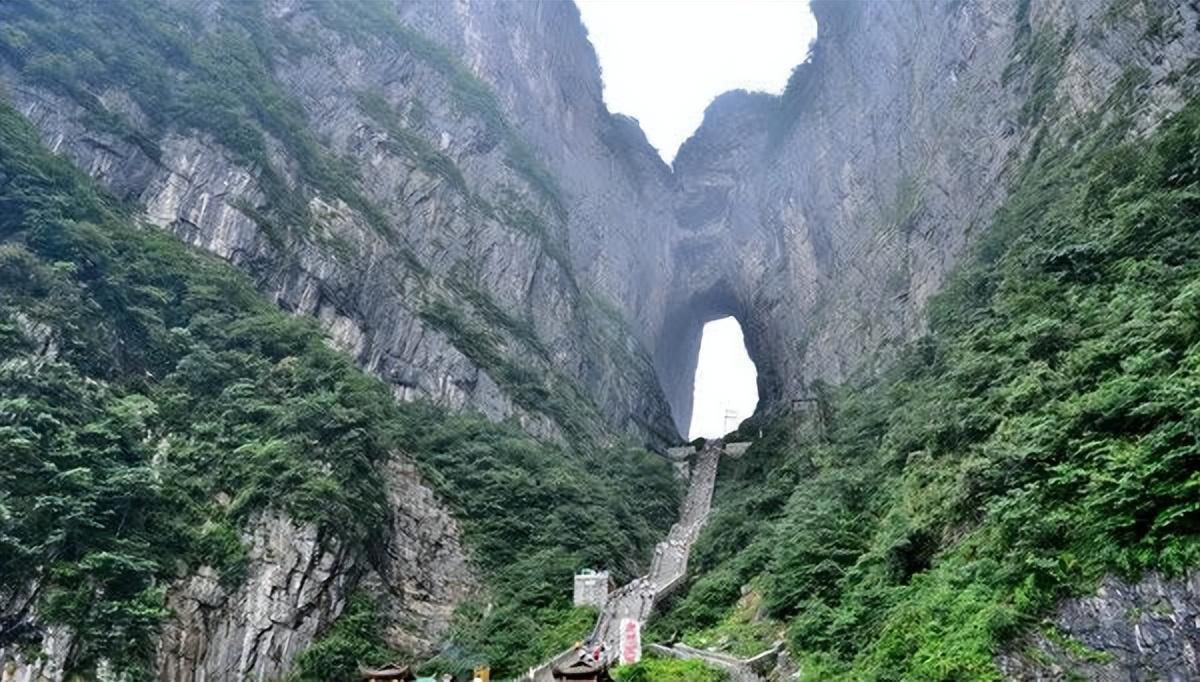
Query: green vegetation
[1040, 436]
[152, 404]
[534, 514]
[215, 74]
[356, 639]
[176, 405]
[669, 670]
[531, 387]
[742, 632]
[409, 143]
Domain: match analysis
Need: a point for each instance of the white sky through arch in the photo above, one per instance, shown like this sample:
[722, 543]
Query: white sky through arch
[665, 60]
[726, 381]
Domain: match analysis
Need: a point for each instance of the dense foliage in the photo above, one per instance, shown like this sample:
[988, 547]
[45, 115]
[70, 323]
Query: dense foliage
[151, 404]
[1042, 435]
[535, 514]
[668, 670]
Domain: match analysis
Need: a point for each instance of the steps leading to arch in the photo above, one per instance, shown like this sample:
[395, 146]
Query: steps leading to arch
[638, 598]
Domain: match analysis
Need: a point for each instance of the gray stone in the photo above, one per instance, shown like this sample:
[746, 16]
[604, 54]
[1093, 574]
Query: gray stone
[591, 588]
[825, 231]
[1126, 632]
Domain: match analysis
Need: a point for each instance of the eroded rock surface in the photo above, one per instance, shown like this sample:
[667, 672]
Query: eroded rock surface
[824, 220]
[1126, 632]
[296, 582]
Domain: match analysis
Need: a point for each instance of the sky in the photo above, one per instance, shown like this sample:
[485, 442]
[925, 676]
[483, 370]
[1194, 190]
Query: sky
[665, 60]
[725, 380]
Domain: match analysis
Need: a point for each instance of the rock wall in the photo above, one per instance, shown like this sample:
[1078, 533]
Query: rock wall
[296, 583]
[1127, 631]
[826, 218]
[823, 219]
[470, 219]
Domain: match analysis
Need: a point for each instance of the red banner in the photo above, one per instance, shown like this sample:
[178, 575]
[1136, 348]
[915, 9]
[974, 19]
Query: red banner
[631, 641]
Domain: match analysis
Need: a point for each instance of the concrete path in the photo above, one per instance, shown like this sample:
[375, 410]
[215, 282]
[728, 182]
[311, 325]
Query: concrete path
[637, 598]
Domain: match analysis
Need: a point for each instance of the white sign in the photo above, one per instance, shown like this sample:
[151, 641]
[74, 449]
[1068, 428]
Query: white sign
[631, 641]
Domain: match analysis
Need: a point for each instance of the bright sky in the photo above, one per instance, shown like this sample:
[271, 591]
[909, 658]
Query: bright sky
[725, 381]
[665, 60]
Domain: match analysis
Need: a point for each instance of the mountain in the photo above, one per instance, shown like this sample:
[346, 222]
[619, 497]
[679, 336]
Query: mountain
[438, 192]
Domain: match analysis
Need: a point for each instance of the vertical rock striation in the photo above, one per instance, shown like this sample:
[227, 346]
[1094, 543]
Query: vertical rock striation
[504, 231]
[1144, 630]
[825, 219]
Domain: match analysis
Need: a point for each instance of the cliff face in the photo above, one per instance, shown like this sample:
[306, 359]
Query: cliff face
[467, 261]
[826, 218]
[497, 191]
[296, 583]
[456, 207]
[1144, 630]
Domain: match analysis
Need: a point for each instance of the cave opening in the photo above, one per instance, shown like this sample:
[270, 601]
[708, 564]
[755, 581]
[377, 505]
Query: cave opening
[725, 391]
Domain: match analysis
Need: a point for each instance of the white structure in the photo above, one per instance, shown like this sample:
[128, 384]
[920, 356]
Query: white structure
[591, 588]
[731, 420]
[678, 457]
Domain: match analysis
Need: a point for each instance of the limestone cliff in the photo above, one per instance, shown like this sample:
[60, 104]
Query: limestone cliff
[459, 223]
[296, 583]
[826, 218]
[504, 243]
[1144, 630]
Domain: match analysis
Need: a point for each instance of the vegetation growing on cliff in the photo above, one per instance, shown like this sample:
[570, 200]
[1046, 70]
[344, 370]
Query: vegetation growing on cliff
[152, 404]
[182, 73]
[1042, 435]
[668, 670]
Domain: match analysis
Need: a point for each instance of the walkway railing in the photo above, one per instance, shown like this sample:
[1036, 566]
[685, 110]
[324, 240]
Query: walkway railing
[637, 598]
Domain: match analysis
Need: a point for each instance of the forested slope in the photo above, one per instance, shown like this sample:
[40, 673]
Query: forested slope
[1042, 435]
[153, 408]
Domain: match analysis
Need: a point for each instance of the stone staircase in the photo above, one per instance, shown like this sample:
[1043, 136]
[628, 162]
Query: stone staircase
[637, 598]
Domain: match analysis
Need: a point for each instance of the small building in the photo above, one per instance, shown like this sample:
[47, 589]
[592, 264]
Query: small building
[591, 588]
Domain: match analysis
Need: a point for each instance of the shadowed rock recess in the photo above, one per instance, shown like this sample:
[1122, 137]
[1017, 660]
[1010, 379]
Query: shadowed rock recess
[440, 186]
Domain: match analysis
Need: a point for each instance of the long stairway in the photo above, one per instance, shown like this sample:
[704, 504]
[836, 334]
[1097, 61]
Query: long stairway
[637, 598]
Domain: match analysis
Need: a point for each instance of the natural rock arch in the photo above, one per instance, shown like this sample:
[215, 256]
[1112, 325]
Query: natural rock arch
[677, 351]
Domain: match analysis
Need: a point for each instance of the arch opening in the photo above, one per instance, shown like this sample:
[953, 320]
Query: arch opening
[677, 356]
[725, 389]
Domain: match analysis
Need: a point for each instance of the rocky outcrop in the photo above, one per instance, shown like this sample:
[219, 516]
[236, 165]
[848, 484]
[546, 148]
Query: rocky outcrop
[824, 219]
[296, 583]
[453, 278]
[459, 209]
[1127, 631]
[47, 662]
[423, 571]
[298, 580]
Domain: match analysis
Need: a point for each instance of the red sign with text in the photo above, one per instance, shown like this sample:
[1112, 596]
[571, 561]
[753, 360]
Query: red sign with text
[631, 641]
